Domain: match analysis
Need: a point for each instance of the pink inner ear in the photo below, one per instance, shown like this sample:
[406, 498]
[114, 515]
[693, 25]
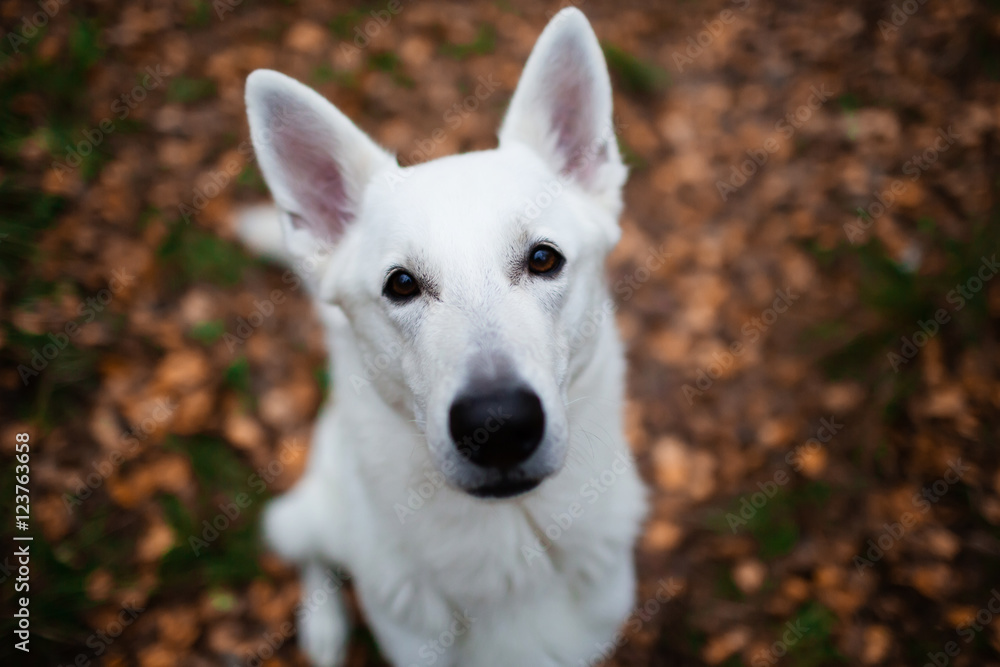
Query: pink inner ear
[304, 146]
[571, 100]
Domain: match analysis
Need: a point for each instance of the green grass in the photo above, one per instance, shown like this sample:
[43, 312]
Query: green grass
[725, 588]
[208, 332]
[343, 25]
[634, 75]
[22, 217]
[61, 90]
[199, 14]
[777, 525]
[484, 43]
[61, 388]
[892, 301]
[251, 178]
[187, 90]
[238, 375]
[632, 159]
[272, 32]
[222, 559]
[897, 298]
[388, 62]
[85, 43]
[101, 538]
[192, 256]
[775, 528]
[849, 103]
[324, 73]
[817, 646]
[238, 378]
[322, 375]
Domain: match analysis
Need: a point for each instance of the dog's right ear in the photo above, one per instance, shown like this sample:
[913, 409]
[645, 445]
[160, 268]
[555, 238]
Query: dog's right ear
[316, 162]
[562, 108]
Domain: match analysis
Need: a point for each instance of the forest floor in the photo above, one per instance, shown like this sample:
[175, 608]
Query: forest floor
[814, 384]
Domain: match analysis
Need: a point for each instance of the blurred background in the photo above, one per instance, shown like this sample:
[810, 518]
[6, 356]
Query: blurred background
[814, 385]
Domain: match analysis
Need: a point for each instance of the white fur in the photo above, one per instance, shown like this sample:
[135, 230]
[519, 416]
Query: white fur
[460, 580]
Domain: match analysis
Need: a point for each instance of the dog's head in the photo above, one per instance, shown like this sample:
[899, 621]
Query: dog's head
[471, 276]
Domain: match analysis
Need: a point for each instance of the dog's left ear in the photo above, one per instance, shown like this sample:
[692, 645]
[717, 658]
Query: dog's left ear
[316, 162]
[562, 108]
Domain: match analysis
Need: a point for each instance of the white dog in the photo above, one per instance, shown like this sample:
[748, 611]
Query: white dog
[470, 470]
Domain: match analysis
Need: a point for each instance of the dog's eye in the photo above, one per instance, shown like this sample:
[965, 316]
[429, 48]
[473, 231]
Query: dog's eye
[400, 286]
[544, 260]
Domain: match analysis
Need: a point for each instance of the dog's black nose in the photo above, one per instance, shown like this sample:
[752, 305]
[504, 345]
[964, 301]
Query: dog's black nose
[497, 428]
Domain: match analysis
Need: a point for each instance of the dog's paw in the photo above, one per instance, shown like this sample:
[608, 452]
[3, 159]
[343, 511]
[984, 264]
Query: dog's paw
[289, 524]
[323, 633]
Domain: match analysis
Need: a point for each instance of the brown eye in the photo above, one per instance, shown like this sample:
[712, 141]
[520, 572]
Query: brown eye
[400, 286]
[544, 260]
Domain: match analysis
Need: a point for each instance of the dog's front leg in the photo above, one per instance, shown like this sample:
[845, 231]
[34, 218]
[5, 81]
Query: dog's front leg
[323, 624]
[411, 623]
[406, 648]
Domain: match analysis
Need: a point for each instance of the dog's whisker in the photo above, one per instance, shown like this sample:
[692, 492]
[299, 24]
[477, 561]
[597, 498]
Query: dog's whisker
[596, 398]
[590, 445]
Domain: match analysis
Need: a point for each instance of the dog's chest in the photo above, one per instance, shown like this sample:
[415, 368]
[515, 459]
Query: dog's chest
[509, 552]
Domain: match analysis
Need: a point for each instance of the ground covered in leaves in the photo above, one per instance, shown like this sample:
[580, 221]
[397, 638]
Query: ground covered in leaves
[815, 378]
